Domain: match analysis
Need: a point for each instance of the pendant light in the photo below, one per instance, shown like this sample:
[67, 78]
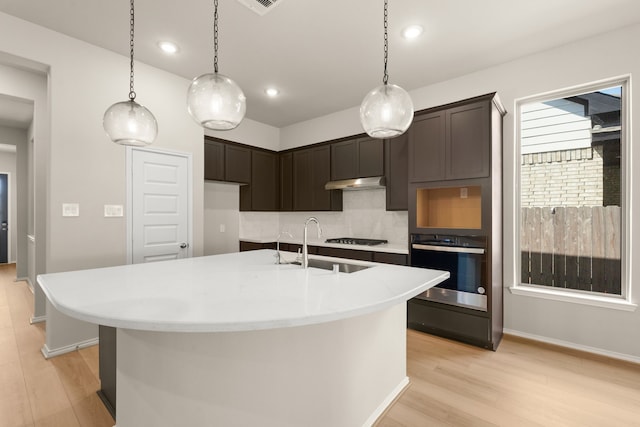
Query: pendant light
[127, 122]
[213, 99]
[386, 111]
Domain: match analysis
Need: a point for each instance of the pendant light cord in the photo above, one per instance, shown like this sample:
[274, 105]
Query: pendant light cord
[385, 77]
[215, 36]
[132, 93]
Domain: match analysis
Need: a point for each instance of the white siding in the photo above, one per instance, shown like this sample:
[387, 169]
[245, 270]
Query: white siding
[553, 126]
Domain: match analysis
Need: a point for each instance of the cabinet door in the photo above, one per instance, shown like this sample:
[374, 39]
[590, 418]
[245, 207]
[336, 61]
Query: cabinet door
[320, 175]
[252, 246]
[370, 157]
[264, 181]
[344, 160]
[389, 258]
[345, 253]
[302, 180]
[427, 148]
[214, 160]
[468, 141]
[286, 182]
[237, 164]
[397, 161]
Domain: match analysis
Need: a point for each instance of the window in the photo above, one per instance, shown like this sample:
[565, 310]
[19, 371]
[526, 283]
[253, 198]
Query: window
[572, 191]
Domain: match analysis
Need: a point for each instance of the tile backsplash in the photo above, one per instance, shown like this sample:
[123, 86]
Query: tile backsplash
[364, 215]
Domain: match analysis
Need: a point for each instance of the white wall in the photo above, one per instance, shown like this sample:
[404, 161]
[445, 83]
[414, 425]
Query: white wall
[251, 132]
[602, 57]
[26, 181]
[79, 161]
[221, 212]
[26, 79]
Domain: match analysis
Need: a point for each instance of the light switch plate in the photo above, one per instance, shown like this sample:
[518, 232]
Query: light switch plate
[70, 209]
[113, 211]
[223, 228]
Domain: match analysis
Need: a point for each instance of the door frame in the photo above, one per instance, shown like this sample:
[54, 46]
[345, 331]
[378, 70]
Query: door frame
[129, 207]
[9, 216]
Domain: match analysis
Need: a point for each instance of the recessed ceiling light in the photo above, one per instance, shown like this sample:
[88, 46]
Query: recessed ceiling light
[412, 31]
[271, 91]
[168, 47]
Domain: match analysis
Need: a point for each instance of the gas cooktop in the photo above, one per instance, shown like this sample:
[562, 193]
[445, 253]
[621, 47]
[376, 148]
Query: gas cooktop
[356, 241]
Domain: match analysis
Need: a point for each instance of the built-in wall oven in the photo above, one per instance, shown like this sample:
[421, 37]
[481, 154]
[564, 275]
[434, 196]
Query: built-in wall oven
[464, 257]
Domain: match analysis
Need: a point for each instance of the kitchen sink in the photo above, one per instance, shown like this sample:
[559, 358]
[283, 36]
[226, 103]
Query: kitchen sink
[343, 267]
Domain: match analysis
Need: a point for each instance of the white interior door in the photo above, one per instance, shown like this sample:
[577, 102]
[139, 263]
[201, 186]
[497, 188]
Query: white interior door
[159, 206]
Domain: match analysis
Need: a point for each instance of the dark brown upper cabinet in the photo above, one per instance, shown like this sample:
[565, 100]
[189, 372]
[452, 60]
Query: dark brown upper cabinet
[426, 147]
[286, 181]
[227, 162]
[451, 143]
[468, 141]
[357, 158]
[396, 167]
[237, 164]
[214, 160]
[311, 171]
[264, 181]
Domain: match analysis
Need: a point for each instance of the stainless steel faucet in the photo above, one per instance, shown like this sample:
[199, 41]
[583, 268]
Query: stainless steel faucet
[305, 251]
[278, 259]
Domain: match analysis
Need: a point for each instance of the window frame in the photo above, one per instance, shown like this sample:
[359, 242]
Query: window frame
[622, 301]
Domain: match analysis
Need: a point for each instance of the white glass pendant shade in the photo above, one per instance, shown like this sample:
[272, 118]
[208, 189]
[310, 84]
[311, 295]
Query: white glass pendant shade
[129, 123]
[216, 102]
[386, 111]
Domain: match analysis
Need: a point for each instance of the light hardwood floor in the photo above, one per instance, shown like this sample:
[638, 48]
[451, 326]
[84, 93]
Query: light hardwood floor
[60, 392]
[524, 383]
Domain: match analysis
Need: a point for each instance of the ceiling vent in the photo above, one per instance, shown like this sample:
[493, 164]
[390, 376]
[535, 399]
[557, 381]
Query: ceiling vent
[261, 7]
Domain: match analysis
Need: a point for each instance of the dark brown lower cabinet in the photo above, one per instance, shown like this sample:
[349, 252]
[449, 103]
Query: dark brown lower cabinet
[451, 322]
[253, 246]
[345, 253]
[382, 257]
[389, 258]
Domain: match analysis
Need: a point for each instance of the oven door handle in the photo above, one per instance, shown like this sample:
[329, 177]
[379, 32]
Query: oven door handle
[457, 249]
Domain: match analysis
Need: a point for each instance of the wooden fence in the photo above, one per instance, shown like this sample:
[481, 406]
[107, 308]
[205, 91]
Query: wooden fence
[572, 247]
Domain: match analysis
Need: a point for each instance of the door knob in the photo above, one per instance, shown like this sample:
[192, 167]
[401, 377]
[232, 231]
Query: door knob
[184, 245]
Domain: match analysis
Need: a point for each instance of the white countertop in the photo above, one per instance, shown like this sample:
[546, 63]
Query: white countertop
[386, 247]
[231, 292]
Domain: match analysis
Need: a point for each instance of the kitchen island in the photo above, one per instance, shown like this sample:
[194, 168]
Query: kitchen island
[238, 340]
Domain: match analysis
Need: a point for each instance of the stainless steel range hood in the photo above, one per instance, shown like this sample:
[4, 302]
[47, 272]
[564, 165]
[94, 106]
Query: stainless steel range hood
[357, 183]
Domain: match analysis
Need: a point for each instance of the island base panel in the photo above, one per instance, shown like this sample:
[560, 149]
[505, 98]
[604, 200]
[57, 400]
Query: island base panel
[340, 373]
[107, 368]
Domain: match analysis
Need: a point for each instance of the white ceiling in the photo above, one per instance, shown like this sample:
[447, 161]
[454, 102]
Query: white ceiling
[326, 55]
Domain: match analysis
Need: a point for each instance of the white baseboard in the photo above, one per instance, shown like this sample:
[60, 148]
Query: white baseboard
[574, 346]
[386, 402]
[38, 319]
[49, 353]
[26, 279]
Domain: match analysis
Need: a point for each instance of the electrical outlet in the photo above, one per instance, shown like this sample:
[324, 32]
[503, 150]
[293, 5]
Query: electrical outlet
[113, 211]
[464, 192]
[70, 209]
[223, 228]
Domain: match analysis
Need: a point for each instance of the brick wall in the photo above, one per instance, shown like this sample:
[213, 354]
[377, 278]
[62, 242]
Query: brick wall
[565, 178]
